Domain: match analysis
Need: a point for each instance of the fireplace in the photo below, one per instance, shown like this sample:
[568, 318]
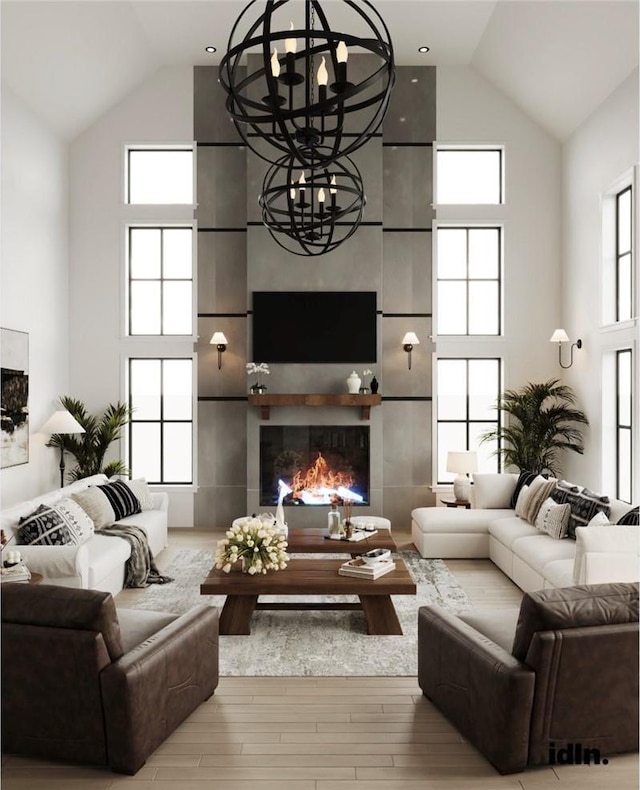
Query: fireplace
[320, 464]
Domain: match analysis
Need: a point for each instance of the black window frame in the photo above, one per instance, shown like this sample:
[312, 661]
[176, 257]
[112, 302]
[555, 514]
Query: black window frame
[622, 253]
[620, 427]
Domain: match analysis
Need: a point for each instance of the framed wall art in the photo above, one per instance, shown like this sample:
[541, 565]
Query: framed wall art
[14, 399]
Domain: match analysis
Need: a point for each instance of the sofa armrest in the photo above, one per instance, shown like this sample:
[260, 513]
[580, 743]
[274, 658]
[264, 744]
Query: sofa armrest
[150, 690]
[479, 686]
[160, 500]
[602, 567]
[621, 544]
[67, 565]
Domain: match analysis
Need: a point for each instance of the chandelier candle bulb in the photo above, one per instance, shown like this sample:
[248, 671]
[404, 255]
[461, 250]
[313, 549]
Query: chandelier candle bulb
[323, 80]
[342, 55]
[275, 64]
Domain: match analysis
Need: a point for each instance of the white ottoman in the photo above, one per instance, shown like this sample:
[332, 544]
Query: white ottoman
[371, 522]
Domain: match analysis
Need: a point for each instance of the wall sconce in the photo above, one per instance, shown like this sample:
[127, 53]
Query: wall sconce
[560, 337]
[408, 342]
[221, 343]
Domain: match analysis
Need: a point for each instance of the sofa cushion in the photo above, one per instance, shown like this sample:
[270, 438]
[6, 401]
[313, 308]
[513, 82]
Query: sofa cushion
[44, 527]
[64, 607]
[573, 607]
[137, 625]
[539, 490]
[524, 479]
[456, 520]
[498, 625]
[630, 519]
[105, 554]
[553, 519]
[538, 550]
[492, 491]
[559, 573]
[506, 530]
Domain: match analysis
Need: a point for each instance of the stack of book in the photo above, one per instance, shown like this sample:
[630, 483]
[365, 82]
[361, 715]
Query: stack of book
[16, 573]
[358, 567]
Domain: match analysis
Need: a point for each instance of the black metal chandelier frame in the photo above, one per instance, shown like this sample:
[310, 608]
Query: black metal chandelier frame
[315, 213]
[276, 109]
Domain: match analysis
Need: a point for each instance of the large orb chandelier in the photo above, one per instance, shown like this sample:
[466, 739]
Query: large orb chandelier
[311, 212]
[304, 95]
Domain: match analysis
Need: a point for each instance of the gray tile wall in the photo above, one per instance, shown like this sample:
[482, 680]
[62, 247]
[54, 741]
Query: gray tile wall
[392, 256]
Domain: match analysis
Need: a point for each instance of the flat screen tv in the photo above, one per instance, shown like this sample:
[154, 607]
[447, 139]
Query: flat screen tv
[314, 326]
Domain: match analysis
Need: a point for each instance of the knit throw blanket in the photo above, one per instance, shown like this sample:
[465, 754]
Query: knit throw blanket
[140, 568]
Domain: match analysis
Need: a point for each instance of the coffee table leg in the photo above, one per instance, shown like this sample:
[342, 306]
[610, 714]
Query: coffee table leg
[382, 619]
[235, 617]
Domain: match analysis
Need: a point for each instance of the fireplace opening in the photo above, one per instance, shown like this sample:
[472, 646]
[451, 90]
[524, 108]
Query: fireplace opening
[320, 464]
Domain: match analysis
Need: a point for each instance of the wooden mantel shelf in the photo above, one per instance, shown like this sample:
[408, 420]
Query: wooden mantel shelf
[265, 401]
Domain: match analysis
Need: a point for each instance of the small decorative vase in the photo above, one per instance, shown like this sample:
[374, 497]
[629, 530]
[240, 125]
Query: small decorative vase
[258, 389]
[353, 383]
[374, 386]
[364, 390]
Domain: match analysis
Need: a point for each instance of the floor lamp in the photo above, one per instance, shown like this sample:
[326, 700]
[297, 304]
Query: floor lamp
[60, 422]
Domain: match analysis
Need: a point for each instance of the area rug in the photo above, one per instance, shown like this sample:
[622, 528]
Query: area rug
[312, 643]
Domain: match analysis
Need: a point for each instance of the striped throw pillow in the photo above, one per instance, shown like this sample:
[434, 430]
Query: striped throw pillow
[121, 498]
[539, 490]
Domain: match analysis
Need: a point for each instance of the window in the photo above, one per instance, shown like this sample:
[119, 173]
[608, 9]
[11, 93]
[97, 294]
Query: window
[159, 175]
[161, 427]
[469, 175]
[469, 280]
[624, 259]
[160, 280]
[468, 391]
[624, 424]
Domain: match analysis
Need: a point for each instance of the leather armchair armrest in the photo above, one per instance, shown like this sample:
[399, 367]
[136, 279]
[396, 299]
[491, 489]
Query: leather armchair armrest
[150, 690]
[67, 565]
[479, 686]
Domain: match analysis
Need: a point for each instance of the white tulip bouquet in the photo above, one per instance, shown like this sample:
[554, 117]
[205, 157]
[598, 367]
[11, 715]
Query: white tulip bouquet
[257, 544]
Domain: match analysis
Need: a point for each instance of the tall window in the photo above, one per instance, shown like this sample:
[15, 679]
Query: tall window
[468, 390]
[159, 175]
[469, 281]
[160, 280]
[161, 428]
[624, 424]
[469, 175]
[624, 255]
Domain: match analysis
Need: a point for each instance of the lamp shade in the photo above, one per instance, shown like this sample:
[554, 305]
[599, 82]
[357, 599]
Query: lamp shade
[62, 421]
[559, 336]
[218, 338]
[462, 462]
[411, 339]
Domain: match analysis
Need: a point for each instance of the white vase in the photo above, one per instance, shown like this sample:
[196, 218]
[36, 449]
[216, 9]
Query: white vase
[353, 383]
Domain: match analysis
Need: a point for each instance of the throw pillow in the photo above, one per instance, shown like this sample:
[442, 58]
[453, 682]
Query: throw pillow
[142, 492]
[121, 498]
[553, 519]
[599, 520]
[96, 505]
[584, 505]
[562, 490]
[80, 526]
[539, 490]
[44, 527]
[521, 504]
[525, 479]
[631, 518]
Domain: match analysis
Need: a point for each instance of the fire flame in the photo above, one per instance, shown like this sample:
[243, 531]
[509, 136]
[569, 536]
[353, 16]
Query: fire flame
[319, 476]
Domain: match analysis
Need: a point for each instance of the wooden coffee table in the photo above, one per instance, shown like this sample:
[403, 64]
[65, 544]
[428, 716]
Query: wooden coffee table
[304, 577]
[303, 540]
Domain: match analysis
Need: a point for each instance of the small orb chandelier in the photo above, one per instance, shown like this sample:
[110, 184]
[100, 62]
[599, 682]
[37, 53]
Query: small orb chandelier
[311, 212]
[304, 95]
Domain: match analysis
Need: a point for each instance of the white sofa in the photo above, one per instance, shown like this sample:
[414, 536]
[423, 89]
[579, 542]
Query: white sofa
[530, 558]
[97, 564]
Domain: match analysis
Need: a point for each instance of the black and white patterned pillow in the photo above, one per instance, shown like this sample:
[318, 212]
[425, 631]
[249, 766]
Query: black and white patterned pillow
[631, 518]
[584, 506]
[560, 494]
[44, 527]
[121, 498]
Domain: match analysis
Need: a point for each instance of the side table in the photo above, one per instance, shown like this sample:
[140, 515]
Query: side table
[450, 502]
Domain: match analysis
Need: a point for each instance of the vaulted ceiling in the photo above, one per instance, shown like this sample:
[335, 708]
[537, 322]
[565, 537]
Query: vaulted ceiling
[556, 59]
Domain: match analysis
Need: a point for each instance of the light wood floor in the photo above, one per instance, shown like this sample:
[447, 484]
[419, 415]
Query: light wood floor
[322, 733]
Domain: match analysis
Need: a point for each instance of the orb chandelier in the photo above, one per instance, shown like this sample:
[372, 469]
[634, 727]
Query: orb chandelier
[312, 211]
[304, 95]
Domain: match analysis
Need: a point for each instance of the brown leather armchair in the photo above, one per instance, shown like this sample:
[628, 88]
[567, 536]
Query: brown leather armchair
[84, 682]
[523, 685]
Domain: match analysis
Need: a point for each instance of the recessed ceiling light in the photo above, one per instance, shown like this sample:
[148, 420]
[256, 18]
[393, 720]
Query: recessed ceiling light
[210, 49]
[414, 80]
[423, 49]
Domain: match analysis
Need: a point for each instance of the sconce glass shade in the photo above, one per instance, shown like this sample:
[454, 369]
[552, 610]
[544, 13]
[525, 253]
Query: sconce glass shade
[311, 212]
[559, 336]
[219, 338]
[303, 91]
[62, 421]
[411, 339]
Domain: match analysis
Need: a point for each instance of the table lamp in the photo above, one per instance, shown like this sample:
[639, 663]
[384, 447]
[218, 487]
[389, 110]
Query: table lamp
[462, 463]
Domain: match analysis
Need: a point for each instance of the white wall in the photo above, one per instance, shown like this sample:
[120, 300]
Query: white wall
[600, 151]
[34, 275]
[471, 110]
[159, 111]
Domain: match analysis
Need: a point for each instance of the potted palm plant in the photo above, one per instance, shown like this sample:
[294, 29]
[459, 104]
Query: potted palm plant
[90, 448]
[542, 422]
